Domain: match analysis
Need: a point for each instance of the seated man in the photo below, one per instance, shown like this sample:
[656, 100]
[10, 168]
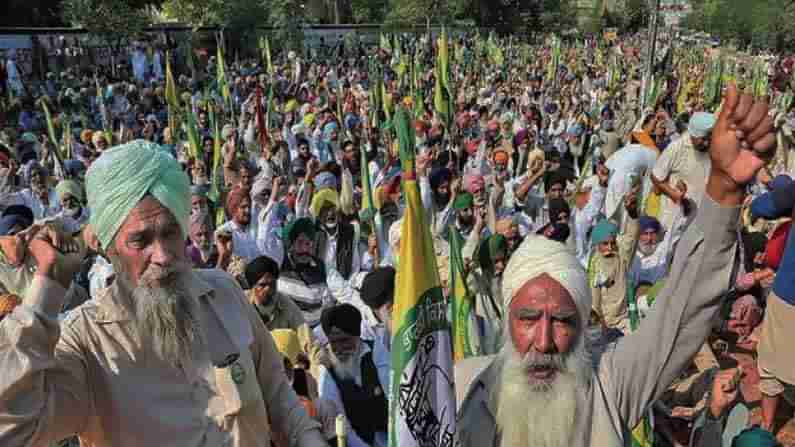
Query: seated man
[276, 310]
[352, 381]
[321, 410]
[303, 276]
[651, 260]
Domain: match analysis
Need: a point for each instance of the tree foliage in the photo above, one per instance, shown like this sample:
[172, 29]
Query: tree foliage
[288, 16]
[412, 12]
[116, 21]
[369, 11]
[240, 15]
[759, 23]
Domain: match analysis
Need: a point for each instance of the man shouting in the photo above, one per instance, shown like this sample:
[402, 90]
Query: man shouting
[544, 388]
[164, 356]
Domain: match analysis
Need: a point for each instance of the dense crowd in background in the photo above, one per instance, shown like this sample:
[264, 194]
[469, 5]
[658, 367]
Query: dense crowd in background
[296, 192]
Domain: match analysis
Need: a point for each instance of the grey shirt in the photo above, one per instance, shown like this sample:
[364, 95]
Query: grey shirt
[641, 366]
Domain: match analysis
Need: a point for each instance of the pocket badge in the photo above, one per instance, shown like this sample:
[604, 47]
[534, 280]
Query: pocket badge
[238, 373]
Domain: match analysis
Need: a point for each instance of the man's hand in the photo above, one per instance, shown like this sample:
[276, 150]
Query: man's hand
[57, 256]
[742, 140]
[223, 243]
[725, 389]
[631, 201]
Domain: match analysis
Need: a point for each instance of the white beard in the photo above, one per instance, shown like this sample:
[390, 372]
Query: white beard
[647, 249]
[166, 317]
[346, 369]
[541, 414]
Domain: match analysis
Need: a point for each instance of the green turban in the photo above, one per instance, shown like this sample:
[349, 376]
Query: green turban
[603, 231]
[463, 201]
[123, 175]
[291, 231]
[489, 249]
[71, 187]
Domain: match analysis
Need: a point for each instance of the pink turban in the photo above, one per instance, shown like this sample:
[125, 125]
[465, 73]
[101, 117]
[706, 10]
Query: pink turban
[474, 183]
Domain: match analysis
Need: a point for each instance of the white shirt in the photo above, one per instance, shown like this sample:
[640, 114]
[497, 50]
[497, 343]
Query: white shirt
[633, 158]
[649, 269]
[244, 240]
[30, 200]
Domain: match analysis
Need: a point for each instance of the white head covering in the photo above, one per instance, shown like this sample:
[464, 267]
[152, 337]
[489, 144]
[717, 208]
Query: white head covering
[538, 255]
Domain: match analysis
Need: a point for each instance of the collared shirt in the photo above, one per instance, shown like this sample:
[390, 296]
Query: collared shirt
[93, 375]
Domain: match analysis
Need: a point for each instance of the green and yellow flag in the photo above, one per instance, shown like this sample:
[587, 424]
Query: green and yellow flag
[265, 45]
[171, 99]
[422, 406]
[221, 75]
[193, 135]
[442, 97]
[461, 299]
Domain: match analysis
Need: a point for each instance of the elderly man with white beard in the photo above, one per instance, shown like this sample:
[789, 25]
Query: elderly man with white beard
[652, 256]
[544, 388]
[163, 356]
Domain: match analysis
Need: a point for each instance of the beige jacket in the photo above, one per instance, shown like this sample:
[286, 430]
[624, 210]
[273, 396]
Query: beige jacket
[641, 366]
[610, 278]
[92, 376]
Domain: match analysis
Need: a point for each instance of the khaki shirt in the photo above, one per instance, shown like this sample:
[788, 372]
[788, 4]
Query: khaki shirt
[610, 278]
[92, 376]
[681, 161]
[635, 371]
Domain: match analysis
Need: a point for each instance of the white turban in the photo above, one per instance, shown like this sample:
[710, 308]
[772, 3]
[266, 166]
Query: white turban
[538, 255]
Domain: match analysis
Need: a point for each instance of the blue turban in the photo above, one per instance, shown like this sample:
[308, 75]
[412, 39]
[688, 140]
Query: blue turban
[123, 175]
[647, 223]
[781, 181]
[603, 231]
[325, 180]
[330, 127]
[74, 168]
[351, 121]
[15, 215]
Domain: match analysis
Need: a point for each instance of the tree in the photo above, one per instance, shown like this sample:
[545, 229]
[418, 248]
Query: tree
[369, 11]
[289, 17]
[239, 15]
[761, 24]
[413, 12]
[30, 13]
[117, 22]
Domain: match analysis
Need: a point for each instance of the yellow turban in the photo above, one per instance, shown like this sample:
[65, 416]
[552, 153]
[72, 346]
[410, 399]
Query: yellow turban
[321, 198]
[287, 343]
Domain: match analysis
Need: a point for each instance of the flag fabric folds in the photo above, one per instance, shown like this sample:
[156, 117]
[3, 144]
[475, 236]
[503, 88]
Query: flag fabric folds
[422, 404]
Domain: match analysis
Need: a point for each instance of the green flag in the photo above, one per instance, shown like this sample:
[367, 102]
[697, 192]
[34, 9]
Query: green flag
[461, 299]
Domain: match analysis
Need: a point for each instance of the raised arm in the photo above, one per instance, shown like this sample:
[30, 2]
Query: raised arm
[43, 388]
[645, 363]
